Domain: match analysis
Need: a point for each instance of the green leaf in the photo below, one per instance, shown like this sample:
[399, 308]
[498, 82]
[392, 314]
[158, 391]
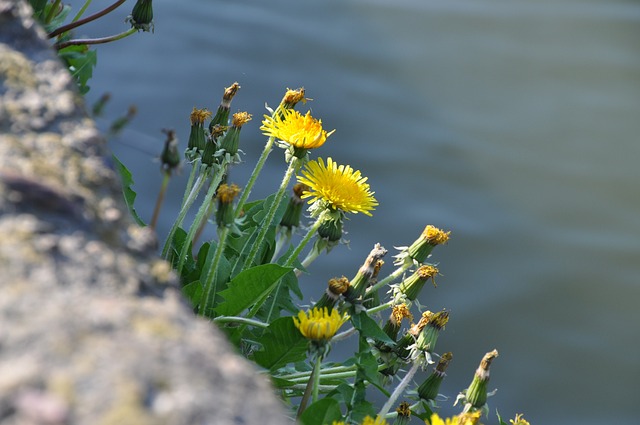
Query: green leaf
[322, 412]
[80, 61]
[369, 328]
[248, 287]
[193, 292]
[282, 343]
[129, 194]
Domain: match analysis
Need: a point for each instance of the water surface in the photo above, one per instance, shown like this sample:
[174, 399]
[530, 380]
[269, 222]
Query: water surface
[513, 124]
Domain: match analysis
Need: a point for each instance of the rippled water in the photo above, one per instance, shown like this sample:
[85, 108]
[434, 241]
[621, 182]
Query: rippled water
[513, 124]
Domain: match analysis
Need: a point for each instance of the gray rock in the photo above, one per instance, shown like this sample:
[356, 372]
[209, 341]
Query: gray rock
[93, 329]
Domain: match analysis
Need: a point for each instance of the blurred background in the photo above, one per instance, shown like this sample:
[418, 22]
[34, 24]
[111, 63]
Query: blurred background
[513, 124]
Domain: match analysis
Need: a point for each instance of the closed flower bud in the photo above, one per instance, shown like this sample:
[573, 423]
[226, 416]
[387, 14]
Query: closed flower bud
[336, 287]
[404, 414]
[141, 17]
[428, 337]
[367, 270]
[221, 117]
[398, 313]
[428, 390]
[170, 157]
[230, 141]
[476, 395]
[197, 136]
[412, 285]
[293, 213]
[430, 238]
[225, 195]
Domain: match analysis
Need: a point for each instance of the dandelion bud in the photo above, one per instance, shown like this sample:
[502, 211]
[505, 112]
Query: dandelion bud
[331, 230]
[222, 114]
[429, 335]
[429, 389]
[398, 313]
[402, 347]
[226, 194]
[141, 17]
[367, 270]
[170, 158]
[404, 414]
[196, 135]
[292, 97]
[336, 287]
[430, 238]
[476, 394]
[293, 213]
[412, 285]
[230, 141]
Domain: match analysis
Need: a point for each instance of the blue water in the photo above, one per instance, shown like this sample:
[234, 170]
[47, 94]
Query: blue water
[513, 124]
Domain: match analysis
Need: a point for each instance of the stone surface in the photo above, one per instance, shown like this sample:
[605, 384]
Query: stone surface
[93, 329]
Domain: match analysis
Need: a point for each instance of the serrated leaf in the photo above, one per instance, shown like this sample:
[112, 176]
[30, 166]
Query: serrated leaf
[282, 344]
[369, 328]
[248, 287]
[80, 61]
[322, 412]
[193, 292]
[129, 194]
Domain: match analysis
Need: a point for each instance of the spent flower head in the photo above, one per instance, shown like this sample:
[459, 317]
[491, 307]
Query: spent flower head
[338, 187]
[318, 324]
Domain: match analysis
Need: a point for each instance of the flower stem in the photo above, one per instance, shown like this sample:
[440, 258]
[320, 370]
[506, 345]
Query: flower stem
[316, 379]
[400, 388]
[102, 40]
[254, 176]
[243, 320]
[257, 244]
[210, 284]
[161, 193]
[380, 307]
[183, 212]
[93, 17]
[310, 234]
[312, 387]
[200, 216]
[393, 276]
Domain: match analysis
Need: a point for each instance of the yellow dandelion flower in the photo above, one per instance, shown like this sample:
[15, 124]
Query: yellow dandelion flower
[318, 324]
[299, 131]
[436, 420]
[368, 420]
[339, 186]
[519, 420]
